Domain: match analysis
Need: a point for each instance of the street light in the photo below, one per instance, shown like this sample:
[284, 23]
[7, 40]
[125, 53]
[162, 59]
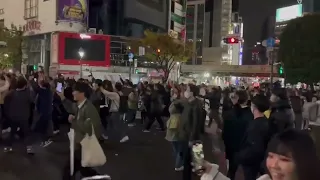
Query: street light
[81, 55]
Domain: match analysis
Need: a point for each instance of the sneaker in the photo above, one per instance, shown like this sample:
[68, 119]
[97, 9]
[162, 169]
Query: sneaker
[124, 139]
[179, 169]
[6, 130]
[30, 150]
[131, 125]
[146, 131]
[160, 129]
[56, 132]
[46, 143]
[7, 149]
[105, 137]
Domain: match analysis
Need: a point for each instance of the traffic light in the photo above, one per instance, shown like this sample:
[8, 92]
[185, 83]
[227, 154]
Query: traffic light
[280, 70]
[158, 51]
[231, 40]
[136, 71]
[35, 67]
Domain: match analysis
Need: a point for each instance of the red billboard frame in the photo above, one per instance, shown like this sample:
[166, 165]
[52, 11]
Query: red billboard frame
[61, 49]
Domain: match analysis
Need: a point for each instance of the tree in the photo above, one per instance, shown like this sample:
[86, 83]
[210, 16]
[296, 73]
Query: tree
[11, 54]
[299, 49]
[163, 50]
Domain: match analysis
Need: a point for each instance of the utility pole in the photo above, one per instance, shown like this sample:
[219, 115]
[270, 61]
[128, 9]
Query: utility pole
[269, 44]
[272, 67]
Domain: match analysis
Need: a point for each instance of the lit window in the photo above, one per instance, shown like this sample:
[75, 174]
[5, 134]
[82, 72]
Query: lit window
[30, 9]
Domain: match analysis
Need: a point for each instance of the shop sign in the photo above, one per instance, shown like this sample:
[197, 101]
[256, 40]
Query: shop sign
[32, 26]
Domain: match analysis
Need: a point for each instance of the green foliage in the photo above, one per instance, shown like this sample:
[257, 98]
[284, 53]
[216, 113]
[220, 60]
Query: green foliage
[163, 50]
[300, 49]
[12, 54]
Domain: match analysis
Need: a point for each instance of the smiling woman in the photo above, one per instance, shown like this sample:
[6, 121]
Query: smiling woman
[292, 156]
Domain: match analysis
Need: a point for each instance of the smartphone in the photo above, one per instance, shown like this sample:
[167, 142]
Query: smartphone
[101, 177]
[59, 87]
[197, 157]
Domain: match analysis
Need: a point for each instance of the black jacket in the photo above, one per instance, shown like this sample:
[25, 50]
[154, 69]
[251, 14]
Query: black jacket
[281, 117]
[254, 144]
[192, 121]
[235, 126]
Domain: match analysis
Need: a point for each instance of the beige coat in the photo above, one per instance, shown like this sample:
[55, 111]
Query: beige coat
[3, 91]
[214, 174]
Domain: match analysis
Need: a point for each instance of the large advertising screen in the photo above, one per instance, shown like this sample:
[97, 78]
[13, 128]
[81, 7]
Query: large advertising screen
[288, 13]
[96, 49]
[72, 10]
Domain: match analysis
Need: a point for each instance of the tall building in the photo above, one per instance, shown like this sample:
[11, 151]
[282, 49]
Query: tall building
[128, 17]
[217, 27]
[195, 17]
[177, 19]
[38, 19]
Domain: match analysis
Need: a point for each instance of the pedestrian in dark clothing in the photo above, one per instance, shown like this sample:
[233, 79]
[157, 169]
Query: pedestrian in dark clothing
[191, 127]
[43, 103]
[17, 105]
[235, 126]
[255, 142]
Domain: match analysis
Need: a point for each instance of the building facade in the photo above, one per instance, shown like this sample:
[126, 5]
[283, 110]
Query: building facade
[128, 17]
[38, 19]
[195, 17]
[177, 19]
[217, 26]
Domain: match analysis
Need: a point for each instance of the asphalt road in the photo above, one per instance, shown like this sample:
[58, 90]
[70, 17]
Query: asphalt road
[145, 156]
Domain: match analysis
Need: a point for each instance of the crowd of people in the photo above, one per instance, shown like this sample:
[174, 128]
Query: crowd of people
[264, 130]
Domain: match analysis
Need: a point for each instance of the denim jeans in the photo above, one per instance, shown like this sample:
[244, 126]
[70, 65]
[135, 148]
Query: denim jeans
[116, 125]
[178, 152]
[24, 133]
[42, 126]
[131, 115]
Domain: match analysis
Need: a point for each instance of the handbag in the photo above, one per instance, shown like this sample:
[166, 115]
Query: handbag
[92, 154]
[174, 121]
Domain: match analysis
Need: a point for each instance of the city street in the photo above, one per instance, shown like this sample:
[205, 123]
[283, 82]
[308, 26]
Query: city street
[145, 156]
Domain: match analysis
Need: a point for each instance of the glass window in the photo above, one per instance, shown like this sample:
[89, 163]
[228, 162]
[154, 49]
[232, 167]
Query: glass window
[31, 9]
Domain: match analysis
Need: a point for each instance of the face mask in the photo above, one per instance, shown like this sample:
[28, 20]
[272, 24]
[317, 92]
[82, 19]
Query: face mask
[173, 97]
[187, 94]
[252, 109]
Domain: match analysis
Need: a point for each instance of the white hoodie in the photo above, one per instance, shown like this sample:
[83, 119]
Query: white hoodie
[214, 174]
[264, 177]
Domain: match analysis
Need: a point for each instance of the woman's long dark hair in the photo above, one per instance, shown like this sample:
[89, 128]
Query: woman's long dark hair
[300, 146]
[107, 85]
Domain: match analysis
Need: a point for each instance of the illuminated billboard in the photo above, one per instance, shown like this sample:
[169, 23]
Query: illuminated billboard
[288, 13]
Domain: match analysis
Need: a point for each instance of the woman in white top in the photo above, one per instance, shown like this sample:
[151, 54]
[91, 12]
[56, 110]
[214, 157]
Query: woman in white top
[114, 120]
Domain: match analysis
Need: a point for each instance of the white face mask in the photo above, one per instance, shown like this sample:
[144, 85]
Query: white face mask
[174, 96]
[252, 109]
[187, 94]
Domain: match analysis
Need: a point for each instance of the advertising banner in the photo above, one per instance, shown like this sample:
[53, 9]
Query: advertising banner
[72, 10]
[288, 13]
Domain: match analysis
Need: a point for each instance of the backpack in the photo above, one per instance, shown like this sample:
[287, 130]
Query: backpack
[123, 103]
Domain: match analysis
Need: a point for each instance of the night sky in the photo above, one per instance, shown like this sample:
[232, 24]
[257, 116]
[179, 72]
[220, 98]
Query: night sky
[254, 13]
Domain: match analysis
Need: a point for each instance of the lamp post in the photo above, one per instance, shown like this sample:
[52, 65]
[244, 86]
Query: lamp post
[81, 55]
